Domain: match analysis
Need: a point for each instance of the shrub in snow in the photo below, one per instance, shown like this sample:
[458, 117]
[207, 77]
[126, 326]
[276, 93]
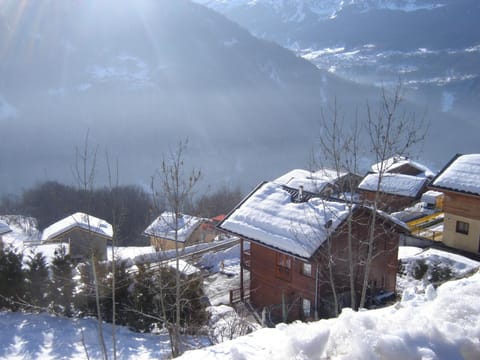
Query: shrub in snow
[153, 299]
[226, 324]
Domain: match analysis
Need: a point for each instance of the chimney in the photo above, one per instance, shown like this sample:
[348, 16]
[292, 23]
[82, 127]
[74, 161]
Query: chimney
[300, 193]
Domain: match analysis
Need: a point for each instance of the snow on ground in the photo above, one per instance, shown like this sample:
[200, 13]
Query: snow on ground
[24, 230]
[227, 261]
[43, 336]
[225, 269]
[439, 324]
[423, 267]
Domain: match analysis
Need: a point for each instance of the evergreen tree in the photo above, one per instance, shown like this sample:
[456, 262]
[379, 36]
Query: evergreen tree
[61, 284]
[37, 281]
[142, 300]
[122, 294]
[12, 289]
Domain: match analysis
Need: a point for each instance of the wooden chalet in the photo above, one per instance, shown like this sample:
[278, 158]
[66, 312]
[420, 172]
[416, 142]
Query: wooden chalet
[396, 192]
[288, 238]
[459, 180]
[83, 234]
[164, 234]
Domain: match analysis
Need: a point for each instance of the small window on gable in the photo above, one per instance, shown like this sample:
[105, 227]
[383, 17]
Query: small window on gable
[306, 307]
[462, 227]
[307, 269]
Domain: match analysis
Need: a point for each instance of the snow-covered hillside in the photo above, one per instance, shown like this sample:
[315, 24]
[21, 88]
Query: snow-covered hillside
[297, 10]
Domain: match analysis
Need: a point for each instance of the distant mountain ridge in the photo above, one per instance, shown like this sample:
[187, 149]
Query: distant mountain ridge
[432, 46]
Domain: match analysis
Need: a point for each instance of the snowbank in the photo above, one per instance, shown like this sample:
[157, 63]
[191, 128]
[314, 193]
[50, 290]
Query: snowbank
[439, 324]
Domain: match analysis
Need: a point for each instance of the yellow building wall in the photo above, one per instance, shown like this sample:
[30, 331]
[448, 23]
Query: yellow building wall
[469, 242]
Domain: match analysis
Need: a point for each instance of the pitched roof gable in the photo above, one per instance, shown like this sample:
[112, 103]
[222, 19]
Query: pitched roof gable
[4, 228]
[270, 215]
[313, 181]
[394, 184]
[395, 162]
[461, 174]
[164, 226]
[80, 220]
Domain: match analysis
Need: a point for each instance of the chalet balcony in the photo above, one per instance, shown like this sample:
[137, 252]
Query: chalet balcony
[246, 259]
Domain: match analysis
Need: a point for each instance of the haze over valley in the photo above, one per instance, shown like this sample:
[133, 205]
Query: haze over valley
[139, 76]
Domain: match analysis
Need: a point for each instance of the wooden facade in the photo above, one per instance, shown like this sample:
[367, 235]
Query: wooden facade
[201, 234]
[83, 243]
[461, 228]
[459, 181]
[388, 202]
[292, 288]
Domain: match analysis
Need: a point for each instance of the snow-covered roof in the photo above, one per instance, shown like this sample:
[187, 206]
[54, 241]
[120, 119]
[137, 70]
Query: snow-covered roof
[270, 216]
[4, 228]
[184, 267]
[164, 226]
[397, 161]
[462, 174]
[81, 220]
[395, 184]
[311, 181]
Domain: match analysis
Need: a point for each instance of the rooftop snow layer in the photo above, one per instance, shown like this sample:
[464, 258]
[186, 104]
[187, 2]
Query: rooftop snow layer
[313, 182]
[184, 267]
[395, 162]
[270, 217]
[395, 184]
[164, 226]
[463, 174]
[81, 220]
[4, 228]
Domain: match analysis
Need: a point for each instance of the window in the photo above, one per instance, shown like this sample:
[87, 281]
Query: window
[307, 269]
[284, 265]
[462, 227]
[306, 307]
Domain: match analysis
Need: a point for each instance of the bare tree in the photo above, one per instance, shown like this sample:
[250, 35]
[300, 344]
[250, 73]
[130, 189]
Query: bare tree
[392, 132]
[84, 173]
[177, 189]
[386, 131]
[340, 150]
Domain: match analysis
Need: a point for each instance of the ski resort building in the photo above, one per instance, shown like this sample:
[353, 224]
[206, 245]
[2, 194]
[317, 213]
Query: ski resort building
[83, 234]
[459, 180]
[295, 246]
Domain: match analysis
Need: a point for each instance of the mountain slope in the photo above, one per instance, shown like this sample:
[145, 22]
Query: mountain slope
[432, 46]
[140, 75]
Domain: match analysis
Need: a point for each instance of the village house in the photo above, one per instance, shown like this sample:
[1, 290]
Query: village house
[85, 235]
[403, 181]
[396, 191]
[402, 165]
[288, 239]
[164, 234]
[325, 182]
[459, 180]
